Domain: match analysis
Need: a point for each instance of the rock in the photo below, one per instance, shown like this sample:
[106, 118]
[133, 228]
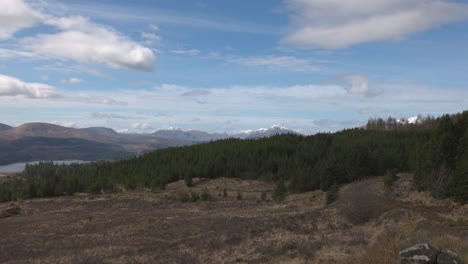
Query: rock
[419, 254]
[425, 253]
[448, 257]
[12, 211]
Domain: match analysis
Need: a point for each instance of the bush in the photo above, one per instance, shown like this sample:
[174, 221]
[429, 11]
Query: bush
[263, 196]
[332, 194]
[205, 196]
[182, 196]
[239, 196]
[390, 178]
[224, 192]
[194, 197]
[280, 192]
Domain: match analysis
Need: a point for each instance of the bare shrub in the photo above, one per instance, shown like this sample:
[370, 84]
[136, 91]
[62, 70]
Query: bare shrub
[360, 205]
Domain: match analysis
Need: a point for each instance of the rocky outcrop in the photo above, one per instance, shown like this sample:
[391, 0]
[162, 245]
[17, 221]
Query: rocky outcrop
[427, 254]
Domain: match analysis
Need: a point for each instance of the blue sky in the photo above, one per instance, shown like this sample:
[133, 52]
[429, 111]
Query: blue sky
[309, 65]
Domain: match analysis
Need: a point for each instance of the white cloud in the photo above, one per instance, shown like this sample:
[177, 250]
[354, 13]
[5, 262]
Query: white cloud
[191, 52]
[14, 16]
[357, 84]
[100, 115]
[98, 99]
[150, 36]
[154, 27]
[275, 62]
[65, 123]
[87, 42]
[198, 92]
[72, 81]
[338, 24]
[10, 86]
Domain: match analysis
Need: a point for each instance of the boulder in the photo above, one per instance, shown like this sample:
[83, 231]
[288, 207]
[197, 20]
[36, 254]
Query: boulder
[427, 254]
[419, 254]
[448, 257]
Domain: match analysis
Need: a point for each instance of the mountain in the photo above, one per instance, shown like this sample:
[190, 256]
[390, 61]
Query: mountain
[5, 127]
[43, 141]
[46, 148]
[102, 131]
[188, 135]
[200, 136]
[45, 130]
[264, 132]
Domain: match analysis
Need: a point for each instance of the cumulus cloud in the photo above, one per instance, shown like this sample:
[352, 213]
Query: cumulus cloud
[190, 52]
[10, 86]
[357, 84]
[81, 40]
[14, 16]
[72, 81]
[338, 24]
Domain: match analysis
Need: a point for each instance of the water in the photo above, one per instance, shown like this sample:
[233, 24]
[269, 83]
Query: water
[19, 167]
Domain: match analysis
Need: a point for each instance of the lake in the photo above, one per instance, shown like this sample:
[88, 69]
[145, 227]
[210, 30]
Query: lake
[19, 167]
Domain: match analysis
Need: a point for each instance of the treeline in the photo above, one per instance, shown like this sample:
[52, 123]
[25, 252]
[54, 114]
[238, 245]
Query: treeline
[320, 161]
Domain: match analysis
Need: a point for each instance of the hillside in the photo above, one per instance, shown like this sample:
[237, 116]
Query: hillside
[99, 140]
[4, 127]
[154, 227]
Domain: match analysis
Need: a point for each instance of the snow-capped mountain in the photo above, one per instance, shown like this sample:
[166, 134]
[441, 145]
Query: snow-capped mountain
[200, 136]
[188, 135]
[264, 132]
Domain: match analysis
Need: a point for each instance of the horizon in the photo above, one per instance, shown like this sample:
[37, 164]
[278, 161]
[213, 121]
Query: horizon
[225, 67]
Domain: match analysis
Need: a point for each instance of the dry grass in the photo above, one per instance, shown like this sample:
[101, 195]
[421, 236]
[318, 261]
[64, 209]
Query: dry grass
[452, 243]
[154, 227]
[384, 251]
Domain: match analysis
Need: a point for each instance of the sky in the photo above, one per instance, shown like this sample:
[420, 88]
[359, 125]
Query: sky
[218, 65]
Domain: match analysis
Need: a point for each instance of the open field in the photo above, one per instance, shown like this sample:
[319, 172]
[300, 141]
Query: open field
[153, 227]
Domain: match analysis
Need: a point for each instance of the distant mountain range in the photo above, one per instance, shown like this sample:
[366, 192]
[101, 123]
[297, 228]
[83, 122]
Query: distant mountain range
[43, 141]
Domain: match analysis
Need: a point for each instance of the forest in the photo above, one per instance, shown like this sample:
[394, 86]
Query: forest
[434, 149]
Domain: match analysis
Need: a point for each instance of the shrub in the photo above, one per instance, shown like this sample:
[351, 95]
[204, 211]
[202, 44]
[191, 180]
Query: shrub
[205, 196]
[280, 192]
[263, 196]
[239, 196]
[332, 194]
[390, 178]
[194, 197]
[182, 196]
[224, 192]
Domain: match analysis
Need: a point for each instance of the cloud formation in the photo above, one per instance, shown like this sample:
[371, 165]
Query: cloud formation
[14, 16]
[190, 52]
[10, 86]
[72, 81]
[357, 84]
[275, 62]
[336, 24]
[86, 42]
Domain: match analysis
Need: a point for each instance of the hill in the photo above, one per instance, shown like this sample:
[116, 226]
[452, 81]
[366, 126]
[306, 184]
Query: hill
[5, 127]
